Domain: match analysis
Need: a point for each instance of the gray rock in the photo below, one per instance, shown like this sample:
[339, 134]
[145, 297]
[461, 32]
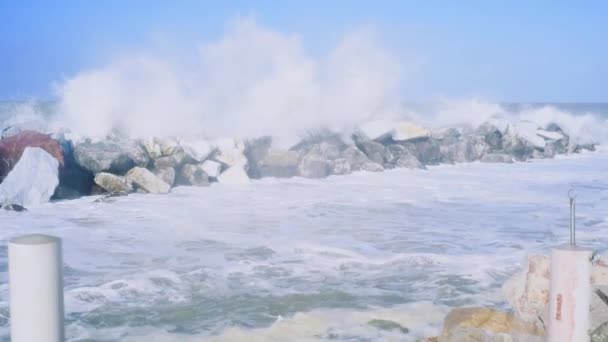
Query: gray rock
[14, 207]
[492, 135]
[314, 166]
[355, 158]
[517, 147]
[600, 334]
[168, 146]
[116, 157]
[113, 184]
[427, 151]
[598, 309]
[496, 158]
[152, 148]
[191, 174]
[375, 151]
[384, 324]
[340, 166]
[146, 181]
[172, 161]
[167, 174]
[278, 163]
[402, 157]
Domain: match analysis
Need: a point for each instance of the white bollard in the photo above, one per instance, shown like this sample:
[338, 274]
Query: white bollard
[36, 288]
[570, 294]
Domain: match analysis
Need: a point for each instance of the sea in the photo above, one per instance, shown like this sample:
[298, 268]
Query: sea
[312, 260]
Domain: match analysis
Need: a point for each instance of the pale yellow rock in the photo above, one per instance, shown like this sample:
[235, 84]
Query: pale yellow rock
[484, 324]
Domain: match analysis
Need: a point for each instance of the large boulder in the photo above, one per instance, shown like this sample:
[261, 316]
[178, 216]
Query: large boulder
[32, 181]
[314, 166]
[356, 159]
[402, 157]
[151, 147]
[115, 185]
[12, 147]
[234, 175]
[528, 290]
[167, 174]
[528, 131]
[191, 174]
[279, 163]
[111, 156]
[492, 132]
[487, 325]
[147, 181]
[375, 152]
[466, 149]
[427, 151]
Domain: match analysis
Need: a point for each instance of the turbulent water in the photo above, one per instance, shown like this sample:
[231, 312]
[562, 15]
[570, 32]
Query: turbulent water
[301, 259]
[310, 260]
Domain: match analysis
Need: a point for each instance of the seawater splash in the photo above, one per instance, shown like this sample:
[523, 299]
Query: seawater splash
[251, 82]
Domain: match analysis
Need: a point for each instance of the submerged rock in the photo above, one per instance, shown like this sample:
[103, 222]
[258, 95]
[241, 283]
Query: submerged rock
[497, 158]
[116, 157]
[147, 181]
[384, 324]
[483, 324]
[12, 147]
[113, 184]
[32, 180]
[14, 207]
[194, 175]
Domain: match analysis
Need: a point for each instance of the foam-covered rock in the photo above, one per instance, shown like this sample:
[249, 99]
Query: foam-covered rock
[234, 175]
[212, 168]
[113, 184]
[528, 131]
[196, 151]
[145, 180]
[191, 174]
[32, 181]
[230, 153]
[110, 156]
[152, 148]
[12, 147]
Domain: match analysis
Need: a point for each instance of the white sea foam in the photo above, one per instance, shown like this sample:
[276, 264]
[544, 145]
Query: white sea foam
[325, 255]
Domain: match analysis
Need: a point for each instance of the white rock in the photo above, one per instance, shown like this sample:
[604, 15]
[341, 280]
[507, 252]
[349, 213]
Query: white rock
[32, 181]
[234, 175]
[147, 181]
[406, 130]
[527, 130]
[547, 135]
[168, 146]
[152, 148]
[212, 168]
[230, 152]
[197, 150]
[528, 290]
[112, 183]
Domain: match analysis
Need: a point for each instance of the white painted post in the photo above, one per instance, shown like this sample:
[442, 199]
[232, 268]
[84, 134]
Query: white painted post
[570, 288]
[36, 288]
[570, 294]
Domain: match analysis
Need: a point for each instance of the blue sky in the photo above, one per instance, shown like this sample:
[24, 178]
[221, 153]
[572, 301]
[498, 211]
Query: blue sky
[506, 51]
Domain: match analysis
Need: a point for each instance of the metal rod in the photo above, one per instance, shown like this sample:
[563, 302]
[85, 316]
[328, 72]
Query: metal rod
[572, 196]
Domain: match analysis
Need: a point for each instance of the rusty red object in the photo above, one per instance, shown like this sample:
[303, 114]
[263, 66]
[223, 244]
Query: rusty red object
[558, 314]
[12, 148]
